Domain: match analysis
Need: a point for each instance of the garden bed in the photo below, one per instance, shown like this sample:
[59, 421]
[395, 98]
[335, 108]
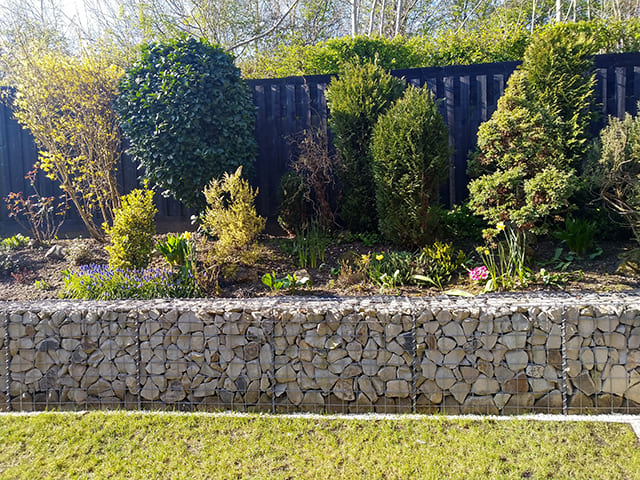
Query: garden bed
[36, 276]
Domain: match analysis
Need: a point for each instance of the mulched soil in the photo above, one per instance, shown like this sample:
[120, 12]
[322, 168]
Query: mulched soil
[35, 276]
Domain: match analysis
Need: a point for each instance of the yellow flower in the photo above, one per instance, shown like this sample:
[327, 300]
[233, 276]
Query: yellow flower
[379, 257]
[187, 235]
[365, 258]
[486, 251]
[500, 226]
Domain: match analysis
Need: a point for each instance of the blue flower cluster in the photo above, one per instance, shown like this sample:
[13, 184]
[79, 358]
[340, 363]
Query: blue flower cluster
[101, 282]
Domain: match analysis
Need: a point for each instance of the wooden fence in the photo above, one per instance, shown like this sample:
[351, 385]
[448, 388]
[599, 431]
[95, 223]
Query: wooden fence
[287, 106]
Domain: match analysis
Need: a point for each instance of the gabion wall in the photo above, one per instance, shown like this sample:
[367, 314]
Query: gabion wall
[506, 354]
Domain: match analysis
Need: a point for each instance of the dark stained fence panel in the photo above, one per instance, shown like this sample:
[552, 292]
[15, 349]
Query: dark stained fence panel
[285, 107]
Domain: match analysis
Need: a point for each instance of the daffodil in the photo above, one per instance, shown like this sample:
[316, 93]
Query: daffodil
[500, 226]
[379, 257]
[187, 235]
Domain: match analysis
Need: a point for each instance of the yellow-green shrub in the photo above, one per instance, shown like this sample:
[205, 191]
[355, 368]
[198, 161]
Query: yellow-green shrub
[230, 216]
[66, 103]
[132, 231]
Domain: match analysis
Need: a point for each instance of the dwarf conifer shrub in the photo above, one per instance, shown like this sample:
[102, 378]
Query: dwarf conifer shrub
[356, 99]
[189, 116]
[411, 159]
[230, 217]
[529, 150]
[132, 232]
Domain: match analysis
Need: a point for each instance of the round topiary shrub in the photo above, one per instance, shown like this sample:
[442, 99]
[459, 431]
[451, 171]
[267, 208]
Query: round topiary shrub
[188, 115]
[356, 100]
[410, 160]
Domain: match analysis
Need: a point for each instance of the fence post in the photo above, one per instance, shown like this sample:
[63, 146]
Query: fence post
[563, 334]
[7, 361]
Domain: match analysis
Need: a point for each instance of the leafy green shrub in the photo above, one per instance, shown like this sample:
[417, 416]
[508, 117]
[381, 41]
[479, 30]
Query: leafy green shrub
[356, 100]
[132, 232]
[450, 47]
[389, 269]
[437, 264]
[411, 159]
[616, 170]
[461, 223]
[230, 217]
[466, 47]
[529, 150]
[188, 115]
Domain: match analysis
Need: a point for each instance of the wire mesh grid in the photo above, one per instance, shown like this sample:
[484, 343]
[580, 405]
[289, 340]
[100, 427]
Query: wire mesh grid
[513, 360]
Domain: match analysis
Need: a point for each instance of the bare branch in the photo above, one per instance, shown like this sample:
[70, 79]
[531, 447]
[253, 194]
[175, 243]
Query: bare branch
[267, 32]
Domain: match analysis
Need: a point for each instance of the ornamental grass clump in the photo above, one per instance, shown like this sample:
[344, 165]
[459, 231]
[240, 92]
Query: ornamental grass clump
[505, 260]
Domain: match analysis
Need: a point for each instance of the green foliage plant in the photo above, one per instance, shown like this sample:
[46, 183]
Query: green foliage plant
[180, 253]
[389, 269]
[438, 262]
[505, 260]
[289, 282]
[132, 232]
[615, 171]
[67, 104]
[310, 245]
[189, 116]
[231, 218]
[578, 234]
[529, 151]
[411, 159]
[356, 99]
[14, 242]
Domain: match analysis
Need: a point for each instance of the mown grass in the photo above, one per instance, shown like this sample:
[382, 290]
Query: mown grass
[172, 446]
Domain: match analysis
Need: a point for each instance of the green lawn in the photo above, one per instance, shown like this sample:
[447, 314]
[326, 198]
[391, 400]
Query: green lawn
[172, 446]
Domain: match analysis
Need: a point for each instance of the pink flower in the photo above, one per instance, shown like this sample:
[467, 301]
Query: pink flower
[479, 273]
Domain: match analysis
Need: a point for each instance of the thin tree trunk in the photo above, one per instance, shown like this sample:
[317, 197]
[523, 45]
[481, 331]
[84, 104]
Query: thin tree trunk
[371, 15]
[354, 18]
[382, 9]
[558, 11]
[398, 16]
[533, 16]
